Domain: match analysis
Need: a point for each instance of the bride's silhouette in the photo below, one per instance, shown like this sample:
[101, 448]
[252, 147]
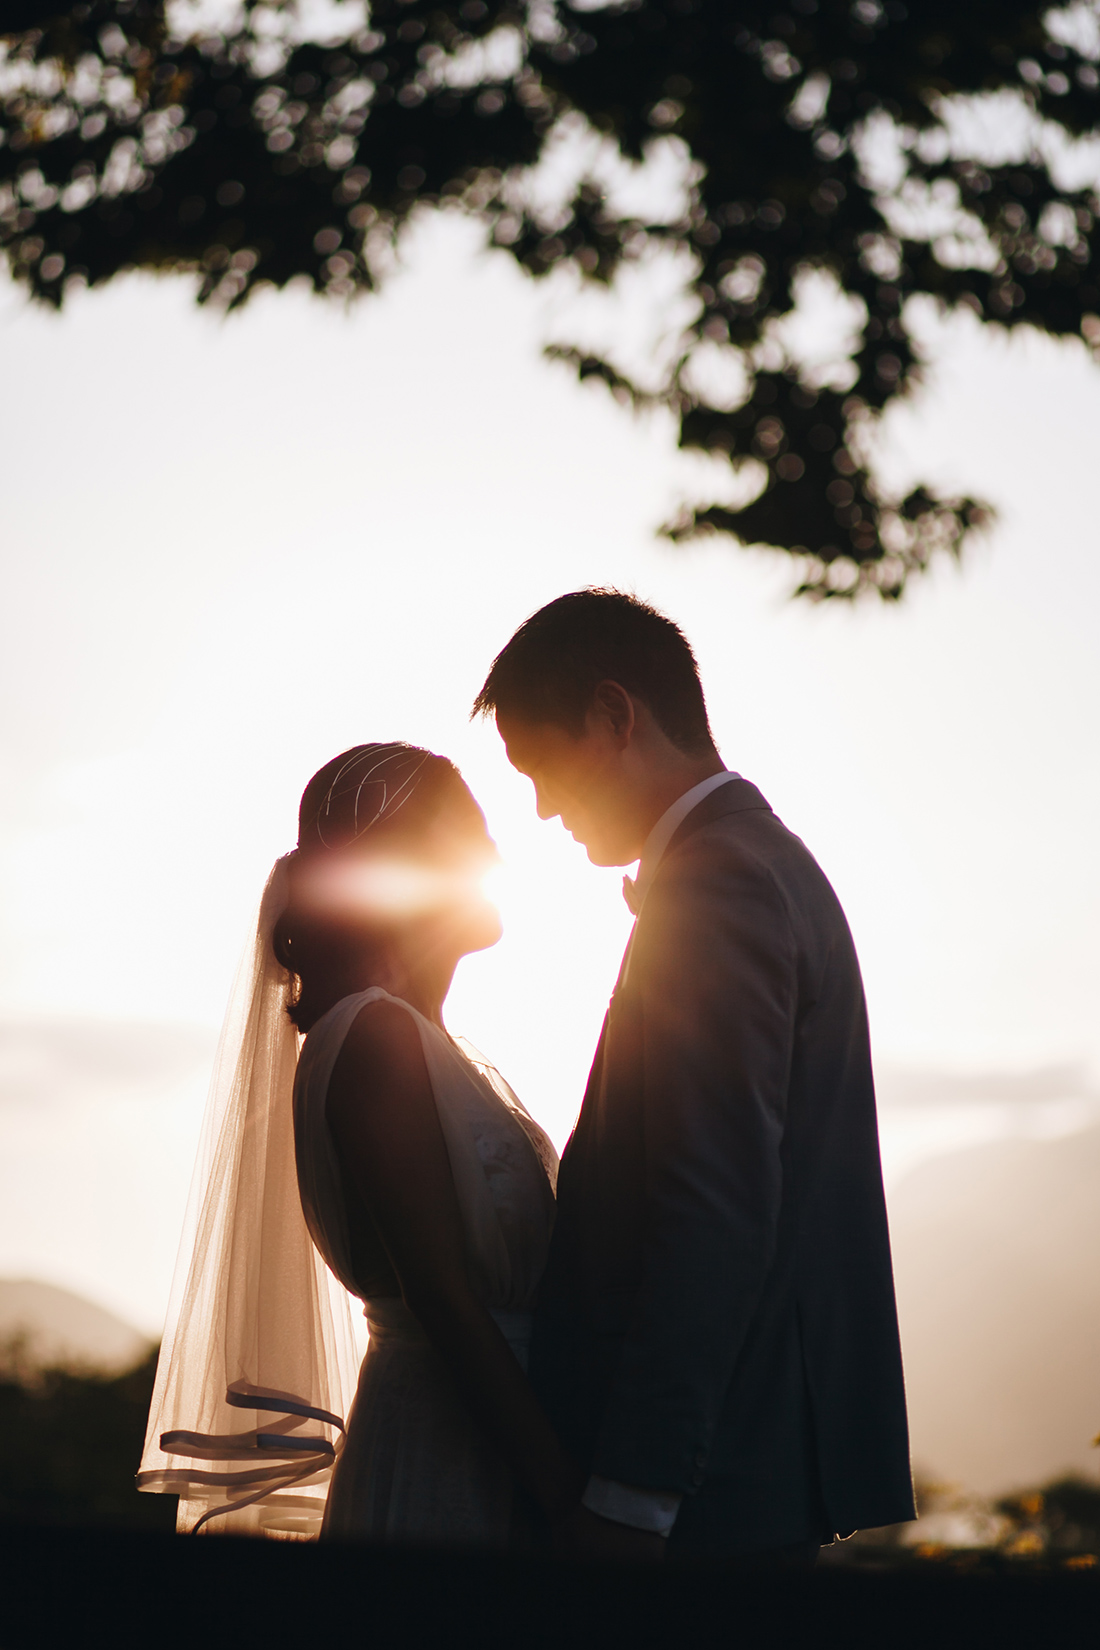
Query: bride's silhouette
[424, 1184]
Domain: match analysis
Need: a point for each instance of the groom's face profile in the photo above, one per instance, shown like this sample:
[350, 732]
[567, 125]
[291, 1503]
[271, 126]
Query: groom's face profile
[582, 778]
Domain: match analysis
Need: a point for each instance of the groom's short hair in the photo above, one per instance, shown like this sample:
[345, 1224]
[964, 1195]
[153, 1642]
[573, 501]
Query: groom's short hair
[551, 668]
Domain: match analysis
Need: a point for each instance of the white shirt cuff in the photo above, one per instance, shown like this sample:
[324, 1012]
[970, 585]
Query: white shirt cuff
[652, 1510]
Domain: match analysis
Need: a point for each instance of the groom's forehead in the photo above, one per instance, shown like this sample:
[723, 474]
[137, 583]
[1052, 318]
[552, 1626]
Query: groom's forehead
[531, 745]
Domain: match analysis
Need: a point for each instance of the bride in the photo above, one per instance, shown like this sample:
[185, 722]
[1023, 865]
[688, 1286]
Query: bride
[387, 1162]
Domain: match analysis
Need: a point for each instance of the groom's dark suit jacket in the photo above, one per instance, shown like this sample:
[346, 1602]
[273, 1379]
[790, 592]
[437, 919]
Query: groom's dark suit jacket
[717, 1315]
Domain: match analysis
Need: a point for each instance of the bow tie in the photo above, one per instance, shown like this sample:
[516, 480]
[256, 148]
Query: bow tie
[631, 895]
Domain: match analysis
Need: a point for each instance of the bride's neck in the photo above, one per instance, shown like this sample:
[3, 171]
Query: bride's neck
[424, 987]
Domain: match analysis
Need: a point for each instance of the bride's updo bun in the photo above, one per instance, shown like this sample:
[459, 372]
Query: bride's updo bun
[373, 801]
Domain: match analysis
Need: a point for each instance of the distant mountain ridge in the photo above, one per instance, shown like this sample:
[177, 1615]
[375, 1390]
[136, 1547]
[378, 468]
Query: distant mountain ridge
[63, 1328]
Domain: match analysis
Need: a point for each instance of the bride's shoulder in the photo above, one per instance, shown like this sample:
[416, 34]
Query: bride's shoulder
[351, 1018]
[381, 1062]
[380, 1102]
[381, 1031]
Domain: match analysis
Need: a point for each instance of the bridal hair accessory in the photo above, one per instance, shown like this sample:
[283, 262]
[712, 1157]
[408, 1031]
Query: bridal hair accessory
[258, 1363]
[379, 779]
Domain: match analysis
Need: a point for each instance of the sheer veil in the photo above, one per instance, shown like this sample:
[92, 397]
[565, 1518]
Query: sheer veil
[258, 1364]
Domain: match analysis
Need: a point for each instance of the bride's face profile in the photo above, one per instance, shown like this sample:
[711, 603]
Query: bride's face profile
[419, 902]
[456, 912]
[388, 883]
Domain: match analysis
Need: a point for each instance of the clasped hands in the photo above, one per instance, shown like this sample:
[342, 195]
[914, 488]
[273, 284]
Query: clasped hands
[582, 1534]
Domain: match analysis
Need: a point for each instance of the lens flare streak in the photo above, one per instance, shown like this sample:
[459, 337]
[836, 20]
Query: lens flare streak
[398, 889]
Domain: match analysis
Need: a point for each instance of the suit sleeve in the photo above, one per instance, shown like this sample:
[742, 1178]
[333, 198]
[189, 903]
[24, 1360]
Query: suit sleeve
[711, 996]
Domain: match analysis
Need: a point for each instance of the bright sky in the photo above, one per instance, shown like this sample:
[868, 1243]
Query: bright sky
[233, 548]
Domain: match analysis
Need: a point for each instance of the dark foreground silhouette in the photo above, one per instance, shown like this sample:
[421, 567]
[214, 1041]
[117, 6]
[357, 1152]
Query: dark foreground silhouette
[68, 1587]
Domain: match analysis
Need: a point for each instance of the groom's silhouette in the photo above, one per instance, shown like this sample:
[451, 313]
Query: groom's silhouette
[717, 1337]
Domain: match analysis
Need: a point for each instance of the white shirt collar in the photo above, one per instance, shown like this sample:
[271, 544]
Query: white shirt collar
[665, 829]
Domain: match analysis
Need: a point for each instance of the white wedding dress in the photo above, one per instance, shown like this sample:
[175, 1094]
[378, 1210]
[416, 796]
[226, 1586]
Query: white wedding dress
[413, 1466]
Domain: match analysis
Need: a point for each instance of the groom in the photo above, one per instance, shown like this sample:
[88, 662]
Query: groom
[716, 1338]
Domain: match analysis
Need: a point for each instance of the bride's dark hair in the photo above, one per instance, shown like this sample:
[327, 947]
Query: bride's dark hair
[371, 800]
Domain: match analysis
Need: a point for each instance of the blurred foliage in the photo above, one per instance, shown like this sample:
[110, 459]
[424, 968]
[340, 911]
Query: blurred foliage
[70, 1443]
[1057, 1526]
[1061, 1520]
[863, 141]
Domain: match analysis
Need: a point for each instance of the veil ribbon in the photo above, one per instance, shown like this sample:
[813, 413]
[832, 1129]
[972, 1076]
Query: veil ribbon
[257, 1327]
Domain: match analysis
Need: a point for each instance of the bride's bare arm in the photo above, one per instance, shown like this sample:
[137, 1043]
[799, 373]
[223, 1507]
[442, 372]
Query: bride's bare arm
[383, 1118]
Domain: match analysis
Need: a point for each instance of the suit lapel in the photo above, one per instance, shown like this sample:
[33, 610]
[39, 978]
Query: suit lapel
[590, 1088]
[735, 797]
[623, 967]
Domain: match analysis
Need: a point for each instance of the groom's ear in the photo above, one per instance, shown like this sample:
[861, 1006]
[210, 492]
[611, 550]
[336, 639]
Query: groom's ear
[613, 708]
